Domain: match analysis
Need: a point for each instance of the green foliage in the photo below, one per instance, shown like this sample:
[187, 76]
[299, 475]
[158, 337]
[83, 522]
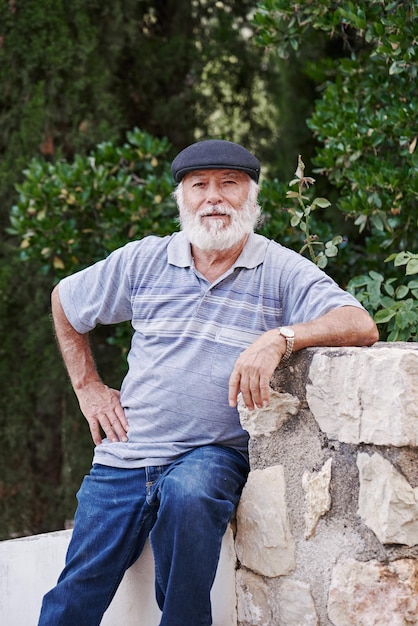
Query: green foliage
[393, 302]
[70, 215]
[304, 232]
[31, 384]
[56, 66]
[366, 119]
[234, 86]
[319, 251]
[367, 116]
[46, 443]
[73, 74]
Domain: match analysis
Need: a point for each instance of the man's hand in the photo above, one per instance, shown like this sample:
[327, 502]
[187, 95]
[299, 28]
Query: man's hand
[254, 369]
[343, 326]
[101, 408]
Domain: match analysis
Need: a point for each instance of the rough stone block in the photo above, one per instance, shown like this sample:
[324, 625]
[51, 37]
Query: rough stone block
[388, 504]
[253, 600]
[264, 542]
[363, 395]
[296, 604]
[317, 496]
[268, 420]
[374, 594]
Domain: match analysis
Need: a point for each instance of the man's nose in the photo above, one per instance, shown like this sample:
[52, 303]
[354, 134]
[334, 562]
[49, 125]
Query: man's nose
[213, 195]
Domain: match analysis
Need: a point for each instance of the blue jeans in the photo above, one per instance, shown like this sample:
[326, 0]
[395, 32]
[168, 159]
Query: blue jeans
[183, 507]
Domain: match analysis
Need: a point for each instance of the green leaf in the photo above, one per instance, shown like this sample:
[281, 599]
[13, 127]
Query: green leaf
[412, 267]
[393, 335]
[401, 258]
[323, 203]
[377, 222]
[397, 68]
[384, 316]
[357, 283]
[401, 292]
[387, 302]
[361, 221]
[375, 276]
[388, 288]
[405, 318]
[321, 261]
[331, 250]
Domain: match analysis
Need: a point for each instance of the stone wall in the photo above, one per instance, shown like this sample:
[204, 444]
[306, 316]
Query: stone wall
[327, 526]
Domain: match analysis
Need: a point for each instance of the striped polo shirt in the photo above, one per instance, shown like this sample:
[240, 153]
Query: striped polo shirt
[188, 334]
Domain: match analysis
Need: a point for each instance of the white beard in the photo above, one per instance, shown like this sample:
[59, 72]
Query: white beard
[216, 235]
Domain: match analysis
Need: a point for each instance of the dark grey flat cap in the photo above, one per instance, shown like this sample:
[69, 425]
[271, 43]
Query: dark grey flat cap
[215, 154]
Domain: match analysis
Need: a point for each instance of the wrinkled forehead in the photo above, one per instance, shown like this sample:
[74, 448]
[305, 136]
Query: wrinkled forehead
[217, 174]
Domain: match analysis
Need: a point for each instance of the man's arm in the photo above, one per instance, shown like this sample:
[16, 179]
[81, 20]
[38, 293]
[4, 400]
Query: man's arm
[99, 404]
[344, 326]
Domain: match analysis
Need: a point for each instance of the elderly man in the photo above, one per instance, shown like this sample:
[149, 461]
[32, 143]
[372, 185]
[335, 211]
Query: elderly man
[215, 308]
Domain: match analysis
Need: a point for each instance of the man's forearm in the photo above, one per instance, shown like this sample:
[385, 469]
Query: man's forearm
[344, 326]
[75, 347]
[99, 404]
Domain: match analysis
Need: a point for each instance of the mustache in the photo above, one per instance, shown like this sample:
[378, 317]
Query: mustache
[218, 210]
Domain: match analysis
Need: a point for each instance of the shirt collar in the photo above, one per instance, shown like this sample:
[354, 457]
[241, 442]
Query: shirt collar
[253, 253]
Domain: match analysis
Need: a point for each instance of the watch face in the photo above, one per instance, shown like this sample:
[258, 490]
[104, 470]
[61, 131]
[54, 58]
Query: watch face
[287, 332]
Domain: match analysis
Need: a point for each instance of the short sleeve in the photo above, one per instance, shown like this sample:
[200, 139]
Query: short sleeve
[99, 294]
[310, 293]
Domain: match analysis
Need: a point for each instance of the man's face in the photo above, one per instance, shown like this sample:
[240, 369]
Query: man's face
[218, 208]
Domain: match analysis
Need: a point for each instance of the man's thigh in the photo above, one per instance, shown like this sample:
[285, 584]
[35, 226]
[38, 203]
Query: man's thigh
[214, 472]
[113, 516]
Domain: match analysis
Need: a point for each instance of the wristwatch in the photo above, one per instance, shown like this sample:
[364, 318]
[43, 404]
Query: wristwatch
[289, 335]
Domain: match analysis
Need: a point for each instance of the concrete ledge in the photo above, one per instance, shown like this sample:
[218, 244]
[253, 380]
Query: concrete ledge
[30, 566]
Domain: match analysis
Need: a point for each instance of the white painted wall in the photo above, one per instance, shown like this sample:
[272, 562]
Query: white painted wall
[30, 566]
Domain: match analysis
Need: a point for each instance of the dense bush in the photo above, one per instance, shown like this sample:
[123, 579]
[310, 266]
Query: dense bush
[71, 214]
[363, 58]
